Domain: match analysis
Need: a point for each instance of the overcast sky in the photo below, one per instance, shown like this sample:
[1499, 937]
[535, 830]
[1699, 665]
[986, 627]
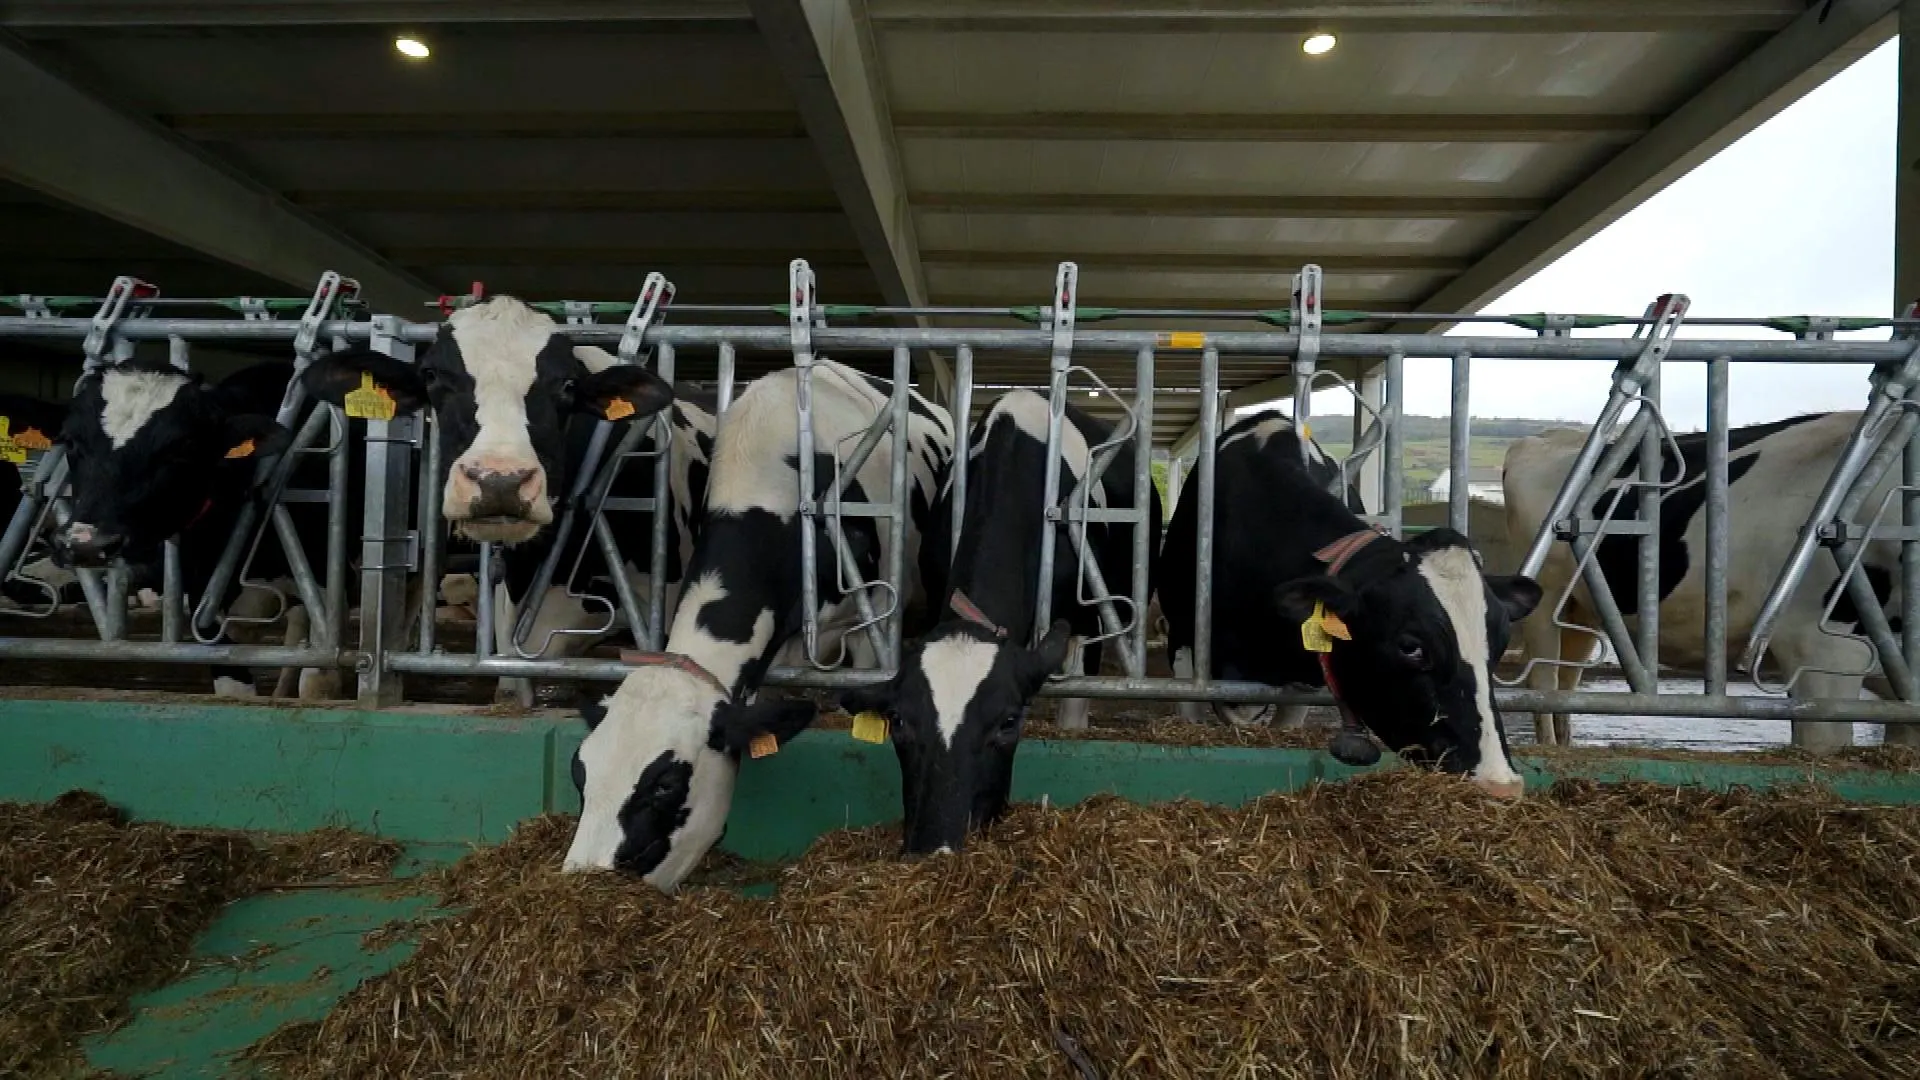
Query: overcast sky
[1796, 218]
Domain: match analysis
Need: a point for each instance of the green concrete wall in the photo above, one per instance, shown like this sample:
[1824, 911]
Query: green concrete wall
[426, 777]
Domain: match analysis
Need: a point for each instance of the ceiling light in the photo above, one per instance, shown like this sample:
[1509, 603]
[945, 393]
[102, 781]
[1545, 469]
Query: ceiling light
[1318, 44]
[412, 48]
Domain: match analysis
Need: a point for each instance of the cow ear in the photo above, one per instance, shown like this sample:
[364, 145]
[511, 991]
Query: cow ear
[877, 698]
[252, 437]
[736, 726]
[1517, 593]
[1046, 658]
[620, 392]
[1296, 598]
[593, 712]
[332, 378]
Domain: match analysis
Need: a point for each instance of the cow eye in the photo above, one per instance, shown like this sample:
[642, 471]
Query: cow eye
[1413, 651]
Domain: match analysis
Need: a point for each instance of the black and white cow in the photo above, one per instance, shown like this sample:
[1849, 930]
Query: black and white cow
[1422, 622]
[958, 705]
[1775, 473]
[516, 403]
[157, 453]
[657, 768]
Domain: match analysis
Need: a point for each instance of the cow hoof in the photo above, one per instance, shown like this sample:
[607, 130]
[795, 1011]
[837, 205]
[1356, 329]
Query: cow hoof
[233, 688]
[1353, 748]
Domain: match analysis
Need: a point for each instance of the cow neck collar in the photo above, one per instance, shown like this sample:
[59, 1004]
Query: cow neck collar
[971, 612]
[678, 662]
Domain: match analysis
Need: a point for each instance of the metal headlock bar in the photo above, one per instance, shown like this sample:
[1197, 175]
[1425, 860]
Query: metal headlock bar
[1848, 518]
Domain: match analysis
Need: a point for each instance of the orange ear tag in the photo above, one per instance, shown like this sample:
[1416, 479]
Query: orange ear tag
[870, 727]
[619, 409]
[245, 449]
[370, 402]
[1335, 626]
[33, 440]
[763, 745]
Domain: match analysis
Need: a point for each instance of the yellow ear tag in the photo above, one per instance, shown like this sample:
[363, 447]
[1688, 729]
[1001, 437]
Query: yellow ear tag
[371, 401]
[870, 727]
[33, 440]
[619, 409]
[1313, 632]
[763, 745]
[1335, 626]
[245, 449]
[10, 449]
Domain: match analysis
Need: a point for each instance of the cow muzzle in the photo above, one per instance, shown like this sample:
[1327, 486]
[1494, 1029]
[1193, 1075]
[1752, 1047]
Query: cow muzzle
[1501, 788]
[83, 545]
[497, 505]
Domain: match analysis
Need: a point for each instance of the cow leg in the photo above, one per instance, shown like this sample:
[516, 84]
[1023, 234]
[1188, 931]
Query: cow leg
[1292, 716]
[1183, 669]
[1821, 736]
[1072, 713]
[1815, 656]
[292, 680]
[1541, 641]
[233, 682]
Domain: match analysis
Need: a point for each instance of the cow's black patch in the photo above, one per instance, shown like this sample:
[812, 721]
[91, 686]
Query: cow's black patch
[651, 815]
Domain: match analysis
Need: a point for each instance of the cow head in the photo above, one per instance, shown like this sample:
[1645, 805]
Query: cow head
[1426, 627]
[656, 771]
[151, 450]
[955, 713]
[504, 384]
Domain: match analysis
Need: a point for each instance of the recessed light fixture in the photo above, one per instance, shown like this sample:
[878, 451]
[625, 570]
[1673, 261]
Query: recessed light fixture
[412, 48]
[1319, 44]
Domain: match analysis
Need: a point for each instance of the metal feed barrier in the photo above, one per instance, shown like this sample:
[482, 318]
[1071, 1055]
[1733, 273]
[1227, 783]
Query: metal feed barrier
[1298, 336]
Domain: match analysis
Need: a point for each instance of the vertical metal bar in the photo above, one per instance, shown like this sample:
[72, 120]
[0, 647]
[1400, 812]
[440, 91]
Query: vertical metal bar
[1143, 501]
[1718, 387]
[179, 353]
[1393, 477]
[663, 366]
[383, 574]
[897, 540]
[331, 627]
[1050, 498]
[433, 540]
[1460, 445]
[800, 329]
[1203, 521]
[962, 443]
[725, 394]
[113, 616]
[172, 604]
[1910, 549]
[1652, 450]
[484, 614]
[1176, 482]
[1372, 387]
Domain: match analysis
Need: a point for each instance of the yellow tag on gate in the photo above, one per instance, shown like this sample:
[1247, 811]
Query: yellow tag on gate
[1313, 632]
[870, 727]
[10, 448]
[763, 745]
[244, 450]
[619, 409]
[1184, 339]
[371, 401]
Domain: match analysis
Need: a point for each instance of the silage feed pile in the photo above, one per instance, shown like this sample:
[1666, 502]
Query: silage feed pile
[94, 909]
[1397, 925]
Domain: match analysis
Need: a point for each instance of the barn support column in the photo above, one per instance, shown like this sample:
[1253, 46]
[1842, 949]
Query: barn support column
[1372, 382]
[1906, 217]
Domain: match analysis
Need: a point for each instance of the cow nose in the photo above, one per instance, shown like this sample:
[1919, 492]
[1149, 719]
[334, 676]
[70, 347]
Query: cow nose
[501, 493]
[88, 546]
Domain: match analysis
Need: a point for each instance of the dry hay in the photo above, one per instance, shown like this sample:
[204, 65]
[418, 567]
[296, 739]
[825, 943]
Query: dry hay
[94, 909]
[1400, 924]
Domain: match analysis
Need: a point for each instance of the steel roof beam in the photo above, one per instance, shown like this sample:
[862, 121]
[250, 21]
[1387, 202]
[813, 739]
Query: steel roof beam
[638, 202]
[767, 259]
[1412, 16]
[1817, 45]
[23, 14]
[1275, 127]
[676, 124]
[1207, 262]
[67, 144]
[1229, 206]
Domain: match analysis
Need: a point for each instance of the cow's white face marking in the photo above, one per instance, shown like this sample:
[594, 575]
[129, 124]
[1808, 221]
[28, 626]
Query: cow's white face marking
[955, 667]
[1454, 577]
[500, 341]
[131, 398]
[656, 711]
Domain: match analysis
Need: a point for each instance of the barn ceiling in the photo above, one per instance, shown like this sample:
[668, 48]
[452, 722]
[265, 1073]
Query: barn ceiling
[1185, 154]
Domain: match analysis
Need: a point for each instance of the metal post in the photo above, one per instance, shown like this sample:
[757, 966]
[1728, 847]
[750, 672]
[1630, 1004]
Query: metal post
[1910, 548]
[484, 614]
[1066, 291]
[1460, 445]
[1372, 475]
[800, 328]
[725, 389]
[663, 366]
[1393, 476]
[962, 443]
[433, 540]
[172, 604]
[330, 626]
[1306, 324]
[1203, 520]
[897, 551]
[1652, 452]
[1176, 482]
[1718, 387]
[1143, 501]
[383, 543]
[179, 353]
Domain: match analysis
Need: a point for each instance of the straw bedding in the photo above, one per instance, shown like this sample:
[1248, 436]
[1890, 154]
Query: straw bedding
[94, 908]
[1398, 925]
